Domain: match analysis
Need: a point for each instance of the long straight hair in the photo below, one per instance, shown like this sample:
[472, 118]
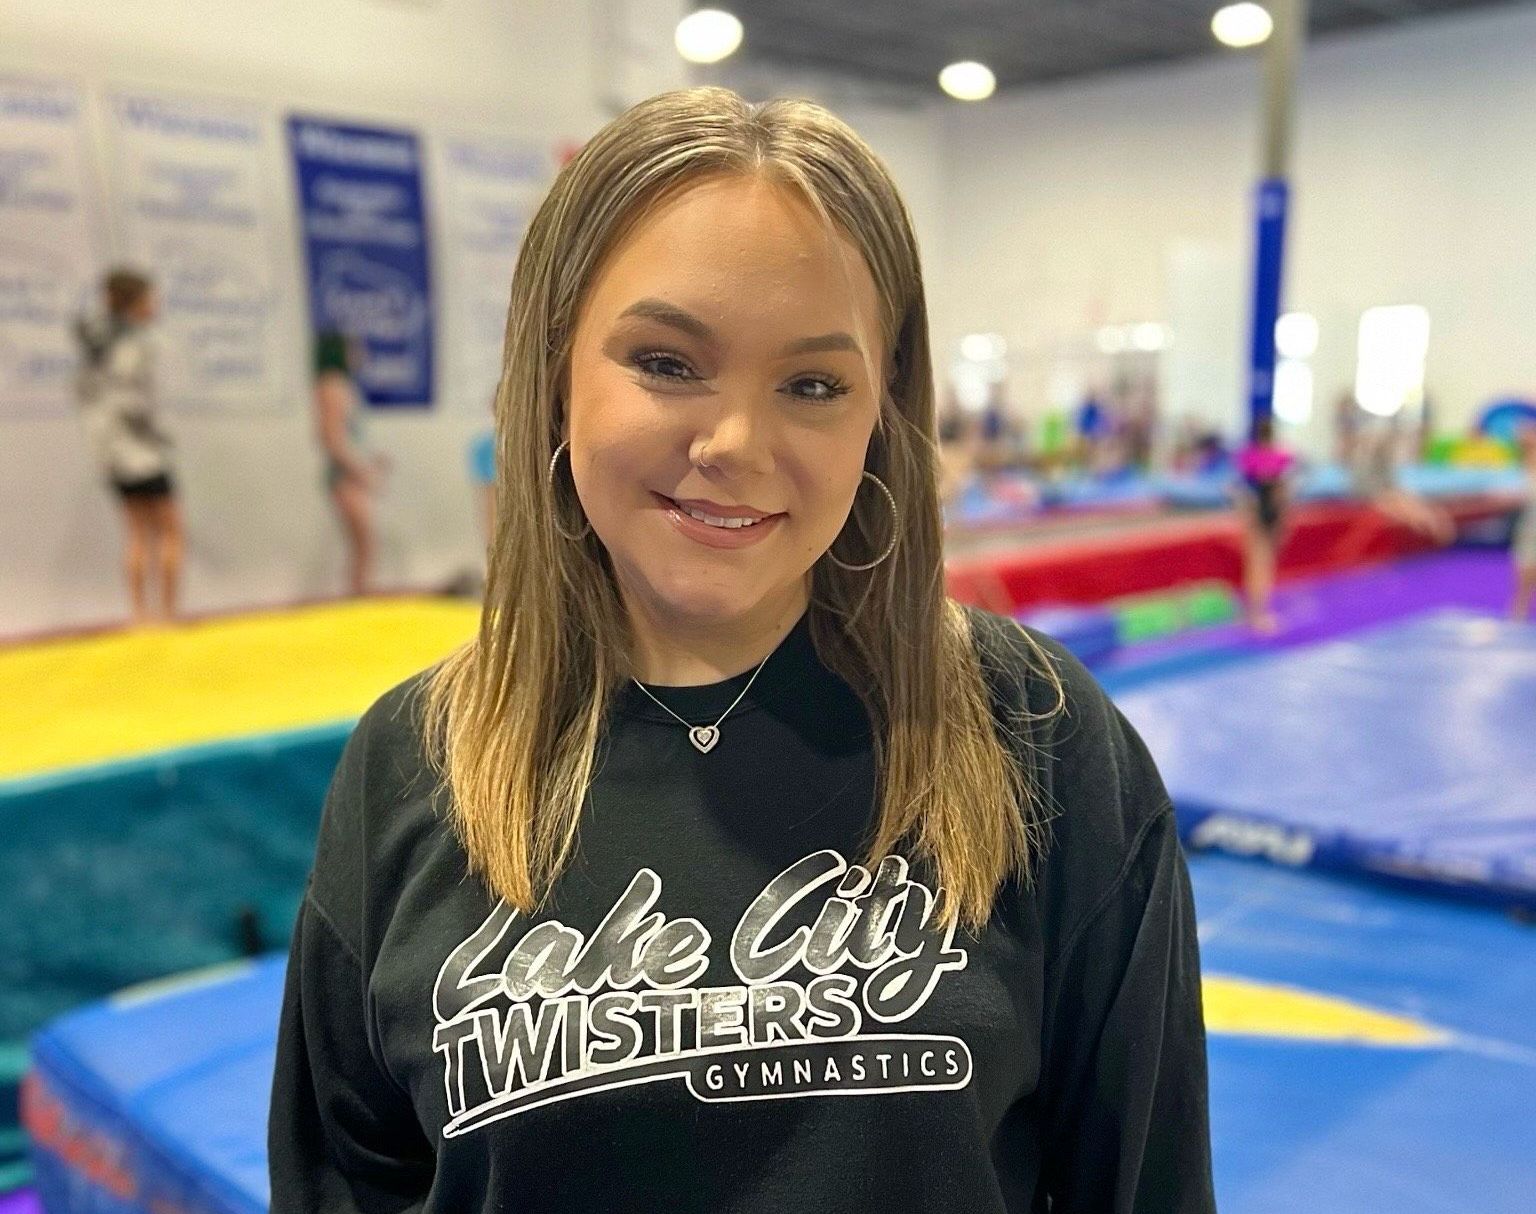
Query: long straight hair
[513, 718]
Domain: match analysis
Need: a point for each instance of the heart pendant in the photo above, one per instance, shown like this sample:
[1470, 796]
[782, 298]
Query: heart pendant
[704, 738]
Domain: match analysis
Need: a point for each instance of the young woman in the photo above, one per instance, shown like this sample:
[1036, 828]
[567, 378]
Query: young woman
[128, 435]
[352, 476]
[1263, 495]
[759, 875]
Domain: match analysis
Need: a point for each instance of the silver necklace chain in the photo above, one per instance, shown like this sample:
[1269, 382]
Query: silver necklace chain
[704, 737]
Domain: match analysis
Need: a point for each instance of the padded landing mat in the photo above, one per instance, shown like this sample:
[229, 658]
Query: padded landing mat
[159, 794]
[1407, 752]
[157, 1099]
[1435, 1120]
[72, 702]
[1369, 1051]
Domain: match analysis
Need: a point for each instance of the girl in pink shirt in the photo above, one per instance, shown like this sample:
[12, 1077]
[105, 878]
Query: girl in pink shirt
[1263, 493]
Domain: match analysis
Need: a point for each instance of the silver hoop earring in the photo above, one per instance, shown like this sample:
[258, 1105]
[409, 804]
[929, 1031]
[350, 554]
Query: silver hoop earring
[554, 502]
[895, 531]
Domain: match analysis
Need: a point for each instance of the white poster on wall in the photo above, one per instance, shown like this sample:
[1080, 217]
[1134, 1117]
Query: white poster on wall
[491, 187]
[191, 197]
[49, 245]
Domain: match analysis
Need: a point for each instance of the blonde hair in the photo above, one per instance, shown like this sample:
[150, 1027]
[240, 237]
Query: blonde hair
[513, 719]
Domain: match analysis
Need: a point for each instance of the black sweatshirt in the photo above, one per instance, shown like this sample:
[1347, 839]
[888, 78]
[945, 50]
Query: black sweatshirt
[719, 1009]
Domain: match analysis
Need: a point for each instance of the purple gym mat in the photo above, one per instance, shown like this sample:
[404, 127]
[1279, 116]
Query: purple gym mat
[1402, 752]
[1319, 609]
[22, 1201]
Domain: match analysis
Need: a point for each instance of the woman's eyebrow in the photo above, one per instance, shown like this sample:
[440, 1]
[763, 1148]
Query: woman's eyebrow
[668, 314]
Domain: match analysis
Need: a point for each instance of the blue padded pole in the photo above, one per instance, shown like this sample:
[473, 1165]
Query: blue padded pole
[1272, 199]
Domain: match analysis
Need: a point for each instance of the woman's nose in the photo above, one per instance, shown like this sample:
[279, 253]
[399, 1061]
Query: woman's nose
[738, 443]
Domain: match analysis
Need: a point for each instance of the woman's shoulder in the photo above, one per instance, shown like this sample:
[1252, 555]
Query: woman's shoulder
[1095, 785]
[335, 387]
[379, 805]
[385, 754]
[1029, 671]
[1045, 693]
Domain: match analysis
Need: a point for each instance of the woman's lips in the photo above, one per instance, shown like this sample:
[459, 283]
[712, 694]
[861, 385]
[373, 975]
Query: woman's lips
[704, 506]
[718, 537]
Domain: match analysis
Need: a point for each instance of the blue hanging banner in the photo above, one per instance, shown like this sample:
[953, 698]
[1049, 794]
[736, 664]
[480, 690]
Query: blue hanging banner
[1271, 202]
[365, 247]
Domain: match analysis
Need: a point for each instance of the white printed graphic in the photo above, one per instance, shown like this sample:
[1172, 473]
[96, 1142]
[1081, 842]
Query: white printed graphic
[529, 1015]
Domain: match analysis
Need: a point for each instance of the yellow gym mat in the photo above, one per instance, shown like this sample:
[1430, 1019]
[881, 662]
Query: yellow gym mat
[69, 702]
[1247, 1008]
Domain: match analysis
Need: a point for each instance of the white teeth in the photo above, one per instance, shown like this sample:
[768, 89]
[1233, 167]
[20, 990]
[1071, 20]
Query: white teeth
[714, 521]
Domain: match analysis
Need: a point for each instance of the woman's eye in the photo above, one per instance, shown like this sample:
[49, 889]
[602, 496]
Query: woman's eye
[831, 389]
[645, 362]
[656, 366]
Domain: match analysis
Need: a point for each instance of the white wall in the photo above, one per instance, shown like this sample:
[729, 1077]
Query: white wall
[260, 529]
[1414, 181]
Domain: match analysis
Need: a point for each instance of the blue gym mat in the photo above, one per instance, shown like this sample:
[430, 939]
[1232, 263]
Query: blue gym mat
[159, 1097]
[1407, 752]
[1310, 1122]
[1319, 1100]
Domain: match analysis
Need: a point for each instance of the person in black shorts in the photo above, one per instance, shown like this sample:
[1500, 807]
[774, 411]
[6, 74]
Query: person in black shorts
[1264, 470]
[116, 394]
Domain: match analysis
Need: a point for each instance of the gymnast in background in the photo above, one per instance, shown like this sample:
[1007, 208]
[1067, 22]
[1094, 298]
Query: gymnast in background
[128, 436]
[1263, 496]
[353, 475]
[1374, 477]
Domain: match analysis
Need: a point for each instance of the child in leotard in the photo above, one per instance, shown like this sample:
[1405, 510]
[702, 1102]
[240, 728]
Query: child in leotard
[1263, 468]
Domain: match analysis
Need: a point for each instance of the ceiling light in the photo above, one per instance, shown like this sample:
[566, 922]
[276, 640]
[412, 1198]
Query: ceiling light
[968, 81]
[1242, 24]
[707, 36]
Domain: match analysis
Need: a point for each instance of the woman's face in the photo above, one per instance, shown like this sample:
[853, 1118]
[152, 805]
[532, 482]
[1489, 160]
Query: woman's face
[716, 369]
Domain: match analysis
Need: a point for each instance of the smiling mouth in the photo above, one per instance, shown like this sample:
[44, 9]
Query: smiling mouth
[740, 518]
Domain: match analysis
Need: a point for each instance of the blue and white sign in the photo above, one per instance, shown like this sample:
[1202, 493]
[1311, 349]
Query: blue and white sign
[366, 250]
[49, 245]
[492, 185]
[196, 216]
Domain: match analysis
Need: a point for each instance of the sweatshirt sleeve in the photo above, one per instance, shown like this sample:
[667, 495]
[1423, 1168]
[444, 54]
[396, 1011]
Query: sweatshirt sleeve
[342, 1135]
[341, 1138]
[1121, 1098]
[1126, 1118]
